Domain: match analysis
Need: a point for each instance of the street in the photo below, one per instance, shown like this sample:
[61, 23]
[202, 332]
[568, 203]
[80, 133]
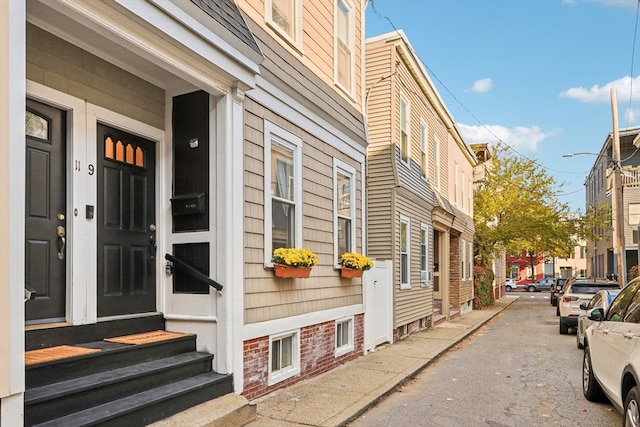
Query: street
[515, 371]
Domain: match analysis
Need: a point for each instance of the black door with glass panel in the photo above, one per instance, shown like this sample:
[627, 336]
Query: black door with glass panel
[126, 223]
[45, 212]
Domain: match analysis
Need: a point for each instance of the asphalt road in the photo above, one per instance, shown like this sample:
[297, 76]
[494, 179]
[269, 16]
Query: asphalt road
[515, 371]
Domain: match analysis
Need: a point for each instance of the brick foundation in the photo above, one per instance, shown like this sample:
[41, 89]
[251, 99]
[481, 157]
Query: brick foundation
[317, 355]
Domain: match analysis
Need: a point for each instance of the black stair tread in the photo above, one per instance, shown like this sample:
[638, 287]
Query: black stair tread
[101, 379]
[129, 404]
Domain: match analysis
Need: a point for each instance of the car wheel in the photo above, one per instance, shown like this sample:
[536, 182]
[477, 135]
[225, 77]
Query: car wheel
[631, 410]
[564, 329]
[531, 289]
[557, 310]
[590, 387]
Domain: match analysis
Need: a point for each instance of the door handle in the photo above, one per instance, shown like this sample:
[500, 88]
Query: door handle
[153, 248]
[62, 241]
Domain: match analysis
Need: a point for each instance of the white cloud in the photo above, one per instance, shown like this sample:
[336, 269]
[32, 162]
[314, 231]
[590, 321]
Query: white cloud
[520, 138]
[598, 94]
[632, 115]
[481, 86]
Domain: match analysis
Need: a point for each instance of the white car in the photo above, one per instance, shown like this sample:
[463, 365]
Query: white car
[611, 363]
[576, 292]
[602, 299]
[510, 285]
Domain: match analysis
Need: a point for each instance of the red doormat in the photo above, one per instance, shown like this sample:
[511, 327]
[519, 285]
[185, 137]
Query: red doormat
[146, 338]
[42, 355]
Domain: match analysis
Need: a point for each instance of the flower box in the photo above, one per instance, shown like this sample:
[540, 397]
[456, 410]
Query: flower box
[289, 272]
[350, 273]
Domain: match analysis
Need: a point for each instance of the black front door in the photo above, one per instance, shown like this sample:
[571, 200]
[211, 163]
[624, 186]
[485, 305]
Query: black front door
[126, 223]
[45, 212]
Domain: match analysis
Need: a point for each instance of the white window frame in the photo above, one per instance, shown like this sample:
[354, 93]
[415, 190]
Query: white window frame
[463, 258]
[424, 143]
[470, 256]
[287, 371]
[436, 162]
[407, 221]
[405, 128]
[463, 183]
[424, 228]
[295, 39]
[349, 44]
[456, 178]
[344, 169]
[274, 134]
[349, 346]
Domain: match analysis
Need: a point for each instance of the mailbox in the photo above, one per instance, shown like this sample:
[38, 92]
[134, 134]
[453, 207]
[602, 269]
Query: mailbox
[188, 204]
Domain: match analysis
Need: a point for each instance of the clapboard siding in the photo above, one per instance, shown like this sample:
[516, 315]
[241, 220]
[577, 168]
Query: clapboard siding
[265, 297]
[60, 65]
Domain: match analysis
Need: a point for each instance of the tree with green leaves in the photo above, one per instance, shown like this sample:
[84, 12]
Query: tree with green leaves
[516, 209]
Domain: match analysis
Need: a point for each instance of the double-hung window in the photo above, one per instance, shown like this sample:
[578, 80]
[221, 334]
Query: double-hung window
[344, 44]
[285, 16]
[404, 130]
[283, 195]
[405, 246]
[470, 255]
[344, 178]
[463, 256]
[424, 254]
[436, 162]
[284, 357]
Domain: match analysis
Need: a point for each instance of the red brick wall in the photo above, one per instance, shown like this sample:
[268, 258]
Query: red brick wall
[317, 350]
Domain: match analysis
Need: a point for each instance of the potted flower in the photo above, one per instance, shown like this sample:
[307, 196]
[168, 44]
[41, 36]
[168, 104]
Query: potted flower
[292, 262]
[354, 264]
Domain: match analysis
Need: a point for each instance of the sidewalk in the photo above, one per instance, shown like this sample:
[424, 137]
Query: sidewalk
[342, 394]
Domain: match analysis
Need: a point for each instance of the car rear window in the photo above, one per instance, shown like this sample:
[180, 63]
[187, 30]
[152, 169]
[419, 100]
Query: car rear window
[590, 288]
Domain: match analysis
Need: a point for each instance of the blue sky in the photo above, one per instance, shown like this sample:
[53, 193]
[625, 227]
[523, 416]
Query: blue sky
[535, 74]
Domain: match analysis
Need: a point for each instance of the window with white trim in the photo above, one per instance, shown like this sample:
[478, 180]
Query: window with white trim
[283, 198]
[344, 179]
[285, 16]
[344, 44]
[463, 183]
[405, 246]
[424, 138]
[344, 336]
[470, 256]
[436, 162]
[404, 130]
[424, 254]
[463, 258]
[284, 357]
[455, 184]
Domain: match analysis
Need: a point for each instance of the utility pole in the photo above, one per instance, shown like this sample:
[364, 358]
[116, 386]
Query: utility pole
[616, 193]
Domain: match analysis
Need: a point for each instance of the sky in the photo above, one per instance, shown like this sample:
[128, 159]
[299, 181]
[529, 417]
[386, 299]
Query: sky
[534, 74]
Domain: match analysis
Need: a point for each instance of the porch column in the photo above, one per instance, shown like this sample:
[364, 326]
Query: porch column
[12, 161]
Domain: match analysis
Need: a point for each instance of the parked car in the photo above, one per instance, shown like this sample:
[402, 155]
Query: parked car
[611, 361]
[602, 299]
[555, 290]
[574, 293]
[511, 285]
[540, 285]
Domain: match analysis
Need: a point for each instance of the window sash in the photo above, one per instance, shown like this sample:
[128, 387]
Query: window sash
[404, 132]
[404, 253]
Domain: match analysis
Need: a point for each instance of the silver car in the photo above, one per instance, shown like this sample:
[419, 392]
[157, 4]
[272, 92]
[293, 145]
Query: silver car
[602, 299]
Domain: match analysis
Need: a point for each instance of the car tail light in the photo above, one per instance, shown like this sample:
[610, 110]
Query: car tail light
[569, 298]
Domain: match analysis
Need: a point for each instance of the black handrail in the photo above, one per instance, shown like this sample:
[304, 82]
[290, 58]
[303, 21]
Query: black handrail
[193, 272]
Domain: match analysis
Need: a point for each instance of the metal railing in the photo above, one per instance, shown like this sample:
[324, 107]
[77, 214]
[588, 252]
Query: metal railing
[193, 272]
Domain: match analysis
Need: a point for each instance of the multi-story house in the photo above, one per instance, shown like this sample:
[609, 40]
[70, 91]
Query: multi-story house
[153, 156]
[304, 175]
[601, 252]
[419, 188]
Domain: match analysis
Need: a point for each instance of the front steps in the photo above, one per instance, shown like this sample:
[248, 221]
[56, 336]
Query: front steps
[121, 384]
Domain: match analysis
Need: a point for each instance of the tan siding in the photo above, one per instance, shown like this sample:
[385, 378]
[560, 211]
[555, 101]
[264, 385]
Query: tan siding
[67, 68]
[316, 53]
[267, 298]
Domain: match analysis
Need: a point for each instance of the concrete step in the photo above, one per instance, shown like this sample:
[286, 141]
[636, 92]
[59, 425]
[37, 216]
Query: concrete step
[230, 410]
